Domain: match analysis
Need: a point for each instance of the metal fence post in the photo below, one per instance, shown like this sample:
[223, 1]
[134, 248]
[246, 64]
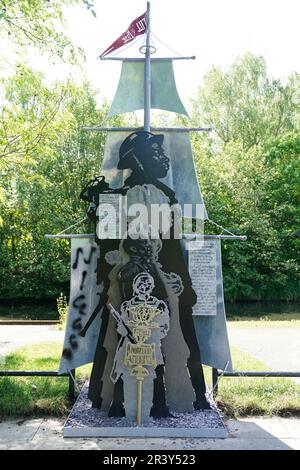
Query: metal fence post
[215, 377]
[72, 384]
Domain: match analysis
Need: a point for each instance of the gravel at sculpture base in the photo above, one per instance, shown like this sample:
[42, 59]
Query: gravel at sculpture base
[85, 421]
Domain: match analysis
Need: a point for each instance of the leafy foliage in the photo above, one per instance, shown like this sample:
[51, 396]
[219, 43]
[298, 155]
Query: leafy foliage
[249, 172]
[245, 104]
[40, 23]
[250, 177]
[45, 164]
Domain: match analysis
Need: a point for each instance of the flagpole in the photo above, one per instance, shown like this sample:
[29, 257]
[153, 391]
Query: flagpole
[147, 75]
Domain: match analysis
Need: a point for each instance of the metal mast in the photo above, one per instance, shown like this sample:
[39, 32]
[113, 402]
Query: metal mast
[147, 75]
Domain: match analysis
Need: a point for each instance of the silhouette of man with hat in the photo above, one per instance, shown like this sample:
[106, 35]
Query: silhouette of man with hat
[142, 152]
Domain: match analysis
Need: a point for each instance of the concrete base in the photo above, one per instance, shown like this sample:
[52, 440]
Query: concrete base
[85, 421]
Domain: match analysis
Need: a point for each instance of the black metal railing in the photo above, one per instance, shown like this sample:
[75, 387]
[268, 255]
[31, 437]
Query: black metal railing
[217, 374]
[43, 373]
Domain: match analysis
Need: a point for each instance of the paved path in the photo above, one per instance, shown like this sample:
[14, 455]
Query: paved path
[15, 336]
[245, 434]
[278, 348]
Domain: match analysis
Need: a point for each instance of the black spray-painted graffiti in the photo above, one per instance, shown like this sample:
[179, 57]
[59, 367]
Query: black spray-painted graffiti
[78, 304]
[86, 261]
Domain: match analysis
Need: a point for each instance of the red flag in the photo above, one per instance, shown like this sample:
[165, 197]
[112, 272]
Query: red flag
[136, 28]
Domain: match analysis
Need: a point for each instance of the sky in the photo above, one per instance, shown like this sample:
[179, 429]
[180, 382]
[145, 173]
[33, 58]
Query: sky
[216, 31]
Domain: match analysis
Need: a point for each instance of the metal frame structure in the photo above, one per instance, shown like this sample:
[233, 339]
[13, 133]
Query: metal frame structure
[152, 129]
[147, 77]
[216, 374]
[184, 237]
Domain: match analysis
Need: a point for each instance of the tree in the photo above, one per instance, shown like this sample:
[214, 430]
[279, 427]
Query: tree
[40, 23]
[26, 114]
[283, 207]
[40, 189]
[245, 104]
[249, 189]
[249, 173]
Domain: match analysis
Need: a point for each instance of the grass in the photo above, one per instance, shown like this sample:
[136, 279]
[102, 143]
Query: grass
[276, 320]
[37, 396]
[250, 396]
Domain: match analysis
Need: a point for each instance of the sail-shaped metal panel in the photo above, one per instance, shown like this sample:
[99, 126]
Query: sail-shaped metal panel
[211, 330]
[130, 92]
[84, 297]
[181, 177]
